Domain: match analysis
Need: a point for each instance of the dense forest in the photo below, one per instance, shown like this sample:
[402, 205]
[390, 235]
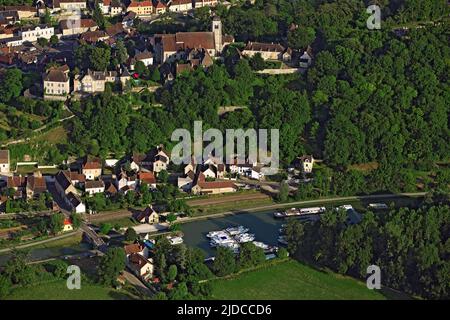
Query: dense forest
[411, 247]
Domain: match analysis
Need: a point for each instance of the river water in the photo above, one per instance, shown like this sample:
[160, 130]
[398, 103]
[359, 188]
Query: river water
[262, 224]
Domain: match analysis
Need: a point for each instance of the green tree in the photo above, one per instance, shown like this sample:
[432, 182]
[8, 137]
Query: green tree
[155, 75]
[294, 234]
[76, 220]
[250, 255]
[54, 40]
[172, 273]
[130, 234]
[56, 223]
[43, 42]
[283, 193]
[257, 62]
[97, 16]
[301, 37]
[224, 262]
[111, 265]
[10, 84]
[105, 228]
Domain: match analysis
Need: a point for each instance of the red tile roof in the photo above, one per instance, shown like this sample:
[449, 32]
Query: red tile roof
[135, 4]
[147, 177]
[133, 248]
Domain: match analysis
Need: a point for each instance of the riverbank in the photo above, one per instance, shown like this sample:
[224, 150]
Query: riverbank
[291, 280]
[305, 203]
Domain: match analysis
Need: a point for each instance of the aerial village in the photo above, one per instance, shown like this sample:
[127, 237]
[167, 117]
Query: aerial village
[29, 44]
[77, 187]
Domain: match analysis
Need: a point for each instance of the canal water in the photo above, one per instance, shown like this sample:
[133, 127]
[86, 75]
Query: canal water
[262, 224]
[48, 253]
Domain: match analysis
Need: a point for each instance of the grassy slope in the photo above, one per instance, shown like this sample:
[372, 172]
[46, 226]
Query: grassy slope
[290, 281]
[58, 291]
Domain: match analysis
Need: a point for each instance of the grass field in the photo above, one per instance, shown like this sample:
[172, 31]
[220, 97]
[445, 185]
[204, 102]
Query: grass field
[58, 291]
[292, 280]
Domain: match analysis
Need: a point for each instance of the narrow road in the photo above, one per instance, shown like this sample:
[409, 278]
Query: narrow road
[132, 279]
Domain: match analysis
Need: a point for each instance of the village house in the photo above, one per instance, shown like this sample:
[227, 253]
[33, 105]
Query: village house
[77, 179]
[69, 6]
[141, 161]
[67, 225]
[128, 19]
[161, 159]
[148, 178]
[36, 185]
[4, 161]
[11, 42]
[195, 58]
[93, 187]
[75, 27]
[92, 169]
[216, 166]
[67, 191]
[56, 82]
[110, 7]
[305, 163]
[172, 47]
[63, 184]
[9, 17]
[95, 81]
[268, 51]
[140, 266]
[205, 3]
[33, 33]
[159, 7]
[75, 203]
[115, 30]
[305, 60]
[126, 182]
[92, 37]
[201, 186]
[7, 32]
[110, 189]
[18, 183]
[23, 12]
[148, 215]
[185, 183]
[136, 248]
[141, 8]
[180, 5]
[257, 173]
[145, 57]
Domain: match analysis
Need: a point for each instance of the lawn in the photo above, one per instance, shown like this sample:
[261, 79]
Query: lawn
[292, 280]
[58, 291]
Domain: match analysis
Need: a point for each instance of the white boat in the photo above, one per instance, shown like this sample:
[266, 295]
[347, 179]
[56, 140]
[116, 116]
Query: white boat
[378, 206]
[215, 233]
[236, 230]
[261, 245]
[279, 214]
[175, 240]
[233, 246]
[345, 207]
[221, 239]
[245, 237]
[282, 240]
[312, 210]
